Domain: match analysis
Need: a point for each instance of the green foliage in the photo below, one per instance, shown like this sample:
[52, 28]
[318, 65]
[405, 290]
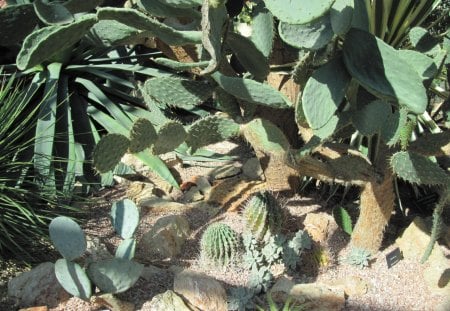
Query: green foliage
[219, 244]
[170, 135]
[109, 150]
[359, 257]
[343, 219]
[113, 275]
[263, 215]
[287, 306]
[142, 135]
[298, 12]
[240, 299]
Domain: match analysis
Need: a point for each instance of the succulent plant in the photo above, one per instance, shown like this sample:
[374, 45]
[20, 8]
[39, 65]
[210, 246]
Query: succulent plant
[240, 299]
[109, 150]
[359, 257]
[263, 215]
[142, 135]
[220, 244]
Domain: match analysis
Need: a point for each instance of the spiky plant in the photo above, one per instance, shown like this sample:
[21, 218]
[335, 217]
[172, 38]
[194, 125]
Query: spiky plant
[25, 209]
[219, 244]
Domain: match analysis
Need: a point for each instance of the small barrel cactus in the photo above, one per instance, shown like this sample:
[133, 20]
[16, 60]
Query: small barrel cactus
[219, 244]
[263, 215]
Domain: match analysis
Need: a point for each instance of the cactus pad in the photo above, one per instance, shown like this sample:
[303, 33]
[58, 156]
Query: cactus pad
[182, 93]
[418, 169]
[109, 150]
[52, 13]
[125, 218]
[73, 278]
[432, 144]
[263, 32]
[114, 275]
[126, 249]
[210, 130]
[371, 118]
[387, 76]
[324, 92]
[299, 11]
[311, 36]
[263, 215]
[170, 136]
[67, 237]
[341, 15]
[13, 15]
[142, 135]
[219, 244]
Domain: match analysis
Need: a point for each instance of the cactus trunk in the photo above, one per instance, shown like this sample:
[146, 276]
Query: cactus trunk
[377, 203]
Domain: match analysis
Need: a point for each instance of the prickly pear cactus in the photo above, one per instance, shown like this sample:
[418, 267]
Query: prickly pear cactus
[108, 152]
[73, 278]
[142, 135]
[219, 244]
[263, 215]
[125, 218]
[170, 135]
[67, 237]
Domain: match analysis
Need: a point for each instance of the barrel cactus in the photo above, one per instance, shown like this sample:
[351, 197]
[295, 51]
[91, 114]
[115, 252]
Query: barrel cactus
[219, 244]
[263, 215]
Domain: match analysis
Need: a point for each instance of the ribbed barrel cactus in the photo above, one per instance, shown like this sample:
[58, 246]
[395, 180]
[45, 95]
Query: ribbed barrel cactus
[219, 244]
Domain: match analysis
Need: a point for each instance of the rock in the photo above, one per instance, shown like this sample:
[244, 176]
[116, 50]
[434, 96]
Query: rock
[149, 273]
[37, 287]
[252, 169]
[225, 171]
[167, 237]
[192, 195]
[413, 243]
[96, 250]
[201, 291]
[159, 205]
[317, 297]
[137, 190]
[41, 308]
[353, 286]
[167, 301]
[319, 226]
[112, 303]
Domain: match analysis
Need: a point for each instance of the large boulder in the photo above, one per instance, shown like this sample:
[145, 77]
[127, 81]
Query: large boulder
[167, 301]
[37, 287]
[166, 238]
[201, 291]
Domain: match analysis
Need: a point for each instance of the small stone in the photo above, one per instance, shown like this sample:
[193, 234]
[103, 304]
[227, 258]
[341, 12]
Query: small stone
[167, 237]
[318, 297]
[96, 250]
[150, 272]
[192, 195]
[319, 226]
[252, 169]
[225, 171]
[138, 190]
[37, 287]
[167, 301]
[113, 303]
[353, 286]
[201, 291]
[41, 308]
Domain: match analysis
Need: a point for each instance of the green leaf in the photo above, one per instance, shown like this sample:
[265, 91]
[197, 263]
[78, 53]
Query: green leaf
[343, 219]
[387, 76]
[158, 166]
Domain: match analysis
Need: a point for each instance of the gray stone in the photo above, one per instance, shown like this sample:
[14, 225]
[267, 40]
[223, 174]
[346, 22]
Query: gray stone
[200, 291]
[37, 287]
[167, 301]
[252, 169]
[166, 238]
[316, 296]
[225, 171]
[96, 250]
[159, 205]
[352, 285]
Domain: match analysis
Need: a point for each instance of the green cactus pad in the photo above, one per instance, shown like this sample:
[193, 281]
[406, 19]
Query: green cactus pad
[142, 135]
[313, 36]
[114, 275]
[126, 249]
[210, 130]
[13, 15]
[125, 218]
[219, 244]
[263, 215]
[112, 33]
[73, 279]
[424, 66]
[67, 237]
[77, 6]
[181, 93]
[52, 13]
[183, 3]
[387, 76]
[263, 32]
[418, 169]
[252, 91]
[390, 132]
[265, 136]
[299, 11]
[179, 66]
[324, 92]
[341, 15]
[250, 57]
[437, 144]
[164, 9]
[227, 103]
[343, 219]
[44, 43]
[138, 20]
[372, 117]
[170, 136]
[108, 152]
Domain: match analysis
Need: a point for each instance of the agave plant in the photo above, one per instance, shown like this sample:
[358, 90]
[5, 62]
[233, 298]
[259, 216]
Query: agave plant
[25, 209]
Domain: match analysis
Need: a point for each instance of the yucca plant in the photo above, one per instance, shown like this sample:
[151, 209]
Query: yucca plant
[25, 209]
